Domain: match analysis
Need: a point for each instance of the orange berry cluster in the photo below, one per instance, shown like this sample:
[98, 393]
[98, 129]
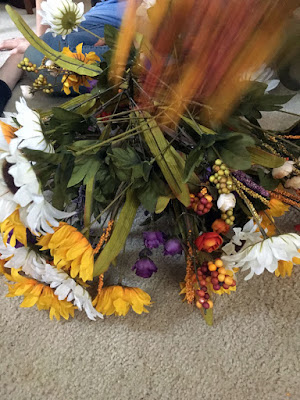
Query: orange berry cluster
[211, 275]
[219, 276]
[201, 203]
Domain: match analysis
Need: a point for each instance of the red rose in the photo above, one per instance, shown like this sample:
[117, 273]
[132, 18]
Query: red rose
[208, 241]
[220, 226]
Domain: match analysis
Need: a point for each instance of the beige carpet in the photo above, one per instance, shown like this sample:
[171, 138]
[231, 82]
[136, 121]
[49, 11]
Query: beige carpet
[251, 353]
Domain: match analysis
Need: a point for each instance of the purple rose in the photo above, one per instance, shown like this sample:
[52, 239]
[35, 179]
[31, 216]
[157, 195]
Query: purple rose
[144, 267]
[172, 247]
[154, 239]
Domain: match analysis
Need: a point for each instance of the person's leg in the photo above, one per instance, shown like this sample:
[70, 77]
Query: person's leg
[9, 77]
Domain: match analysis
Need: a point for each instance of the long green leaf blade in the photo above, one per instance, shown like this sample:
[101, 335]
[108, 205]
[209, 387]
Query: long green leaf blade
[119, 235]
[68, 63]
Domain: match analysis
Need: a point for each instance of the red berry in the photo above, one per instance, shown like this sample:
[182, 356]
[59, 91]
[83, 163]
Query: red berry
[214, 274]
[216, 287]
[233, 283]
[205, 210]
[203, 282]
[200, 293]
[206, 296]
[204, 288]
[204, 269]
[215, 281]
[205, 305]
[202, 300]
[199, 272]
[200, 207]
[203, 200]
[225, 286]
[209, 205]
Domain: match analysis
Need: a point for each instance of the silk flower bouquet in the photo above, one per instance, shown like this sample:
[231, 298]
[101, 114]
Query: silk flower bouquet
[154, 131]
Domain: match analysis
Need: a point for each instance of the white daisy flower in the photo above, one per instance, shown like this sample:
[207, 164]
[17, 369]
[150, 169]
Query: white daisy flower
[36, 267]
[264, 254]
[19, 186]
[30, 133]
[263, 74]
[63, 16]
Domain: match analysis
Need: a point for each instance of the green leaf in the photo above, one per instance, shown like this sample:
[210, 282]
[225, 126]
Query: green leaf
[62, 176]
[167, 158]
[149, 192]
[41, 156]
[200, 129]
[111, 35]
[81, 144]
[125, 158]
[63, 61]
[120, 233]
[267, 181]
[66, 116]
[261, 157]
[84, 170]
[232, 147]
[193, 160]
[208, 316]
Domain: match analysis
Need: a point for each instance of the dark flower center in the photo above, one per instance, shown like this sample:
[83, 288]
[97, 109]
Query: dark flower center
[8, 179]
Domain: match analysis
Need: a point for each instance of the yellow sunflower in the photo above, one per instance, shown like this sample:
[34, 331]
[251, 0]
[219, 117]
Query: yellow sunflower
[276, 209]
[2, 270]
[36, 293]
[118, 300]
[70, 250]
[8, 131]
[75, 80]
[286, 267]
[14, 225]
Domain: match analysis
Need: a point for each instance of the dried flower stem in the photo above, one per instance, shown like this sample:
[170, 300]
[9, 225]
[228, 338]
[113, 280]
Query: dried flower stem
[190, 293]
[104, 237]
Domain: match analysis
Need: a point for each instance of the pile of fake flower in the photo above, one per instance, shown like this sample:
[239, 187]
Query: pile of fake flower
[72, 178]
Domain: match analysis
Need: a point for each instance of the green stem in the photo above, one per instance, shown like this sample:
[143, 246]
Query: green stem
[89, 190]
[91, 33]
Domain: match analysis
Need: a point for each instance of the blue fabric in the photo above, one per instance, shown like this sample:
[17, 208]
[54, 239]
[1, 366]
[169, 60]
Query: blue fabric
[109, 12]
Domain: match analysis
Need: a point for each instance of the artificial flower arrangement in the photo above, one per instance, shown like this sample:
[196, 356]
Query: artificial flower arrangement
[73, 178]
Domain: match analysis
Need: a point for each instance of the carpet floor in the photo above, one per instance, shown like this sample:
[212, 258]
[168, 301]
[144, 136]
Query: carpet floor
[252, 351]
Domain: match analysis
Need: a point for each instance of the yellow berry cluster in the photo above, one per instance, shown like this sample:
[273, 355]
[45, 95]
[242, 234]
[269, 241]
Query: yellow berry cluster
[42, 84]
[228, 217]
[221, 178]
[28, 66]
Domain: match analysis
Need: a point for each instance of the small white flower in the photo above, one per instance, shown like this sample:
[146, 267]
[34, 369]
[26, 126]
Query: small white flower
[63, 16]
[26, 91]
[246, 237]
[293, 183]
[49, 63]
[36, 267]
[226, 202]
[264, 254]
[283, 171]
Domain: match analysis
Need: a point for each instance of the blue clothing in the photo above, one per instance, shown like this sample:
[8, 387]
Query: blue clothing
[109, 12]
